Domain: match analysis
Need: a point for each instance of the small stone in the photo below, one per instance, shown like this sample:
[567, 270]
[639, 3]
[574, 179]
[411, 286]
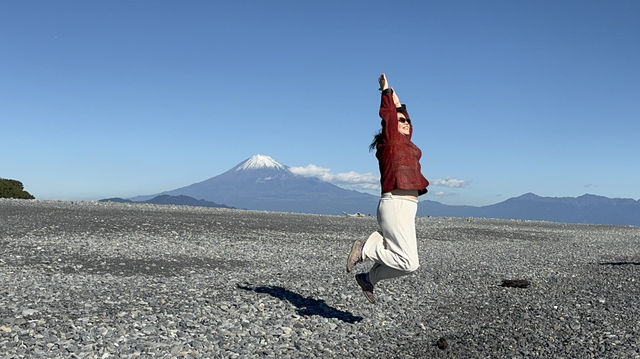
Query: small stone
[176, 350]
[5, 329]
[515, 283]
[28, 312]
[442, 343]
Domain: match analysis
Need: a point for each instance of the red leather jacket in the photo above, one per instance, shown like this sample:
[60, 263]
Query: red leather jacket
[398, 157]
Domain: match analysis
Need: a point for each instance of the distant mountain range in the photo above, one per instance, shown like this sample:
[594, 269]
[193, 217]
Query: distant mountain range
[166, 199]
[587, 208]
[262, 183]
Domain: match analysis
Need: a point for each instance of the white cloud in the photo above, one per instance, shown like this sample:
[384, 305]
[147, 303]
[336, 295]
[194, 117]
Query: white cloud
[443, 194]
[366, 182]
[351, 179]
[310, 171]
[448, 182]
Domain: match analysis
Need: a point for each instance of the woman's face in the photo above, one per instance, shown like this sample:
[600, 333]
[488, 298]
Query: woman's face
[404, 124]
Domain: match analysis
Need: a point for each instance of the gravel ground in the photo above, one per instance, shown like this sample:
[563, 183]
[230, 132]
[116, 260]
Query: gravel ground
[100, 280]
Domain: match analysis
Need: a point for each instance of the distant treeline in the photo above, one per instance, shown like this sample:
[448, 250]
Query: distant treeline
[13, 189]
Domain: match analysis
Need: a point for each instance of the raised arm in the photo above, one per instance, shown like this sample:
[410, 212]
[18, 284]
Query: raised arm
[384, 84]
[389, 105]
[382, 80]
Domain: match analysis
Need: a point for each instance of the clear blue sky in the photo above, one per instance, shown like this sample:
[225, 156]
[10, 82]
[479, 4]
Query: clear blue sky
[121, 98]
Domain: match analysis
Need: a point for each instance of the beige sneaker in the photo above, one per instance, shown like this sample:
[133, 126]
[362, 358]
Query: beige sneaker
[355, 256]
[367, 287]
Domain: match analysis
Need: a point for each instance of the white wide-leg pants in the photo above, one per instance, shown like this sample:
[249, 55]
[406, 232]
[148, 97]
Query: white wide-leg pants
[394, 248]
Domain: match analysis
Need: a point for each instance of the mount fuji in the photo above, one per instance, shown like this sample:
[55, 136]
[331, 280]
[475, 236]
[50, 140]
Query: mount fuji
[262, 183]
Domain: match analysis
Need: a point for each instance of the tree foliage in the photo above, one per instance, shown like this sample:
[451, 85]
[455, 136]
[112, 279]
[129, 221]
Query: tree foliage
[13, 189]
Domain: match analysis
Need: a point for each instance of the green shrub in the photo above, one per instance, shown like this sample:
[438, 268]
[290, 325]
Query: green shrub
[13, 189]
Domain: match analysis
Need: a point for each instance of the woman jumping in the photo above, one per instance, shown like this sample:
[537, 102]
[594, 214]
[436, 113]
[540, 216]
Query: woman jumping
[393, 249]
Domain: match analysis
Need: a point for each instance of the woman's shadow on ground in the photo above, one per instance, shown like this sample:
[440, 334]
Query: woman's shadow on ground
[306, 305]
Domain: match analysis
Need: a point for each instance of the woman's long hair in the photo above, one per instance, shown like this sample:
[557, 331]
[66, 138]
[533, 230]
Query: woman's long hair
[377, 139]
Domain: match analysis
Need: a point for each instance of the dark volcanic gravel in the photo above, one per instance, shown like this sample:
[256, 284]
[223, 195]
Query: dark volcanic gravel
[100, 280]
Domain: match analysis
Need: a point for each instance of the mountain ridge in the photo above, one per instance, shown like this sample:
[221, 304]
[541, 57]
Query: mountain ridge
[180, 200]
[587, 208]
[262, 183]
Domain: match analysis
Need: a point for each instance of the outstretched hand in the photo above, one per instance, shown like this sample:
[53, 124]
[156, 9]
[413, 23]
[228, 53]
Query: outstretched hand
[384, 84]
[382, 80]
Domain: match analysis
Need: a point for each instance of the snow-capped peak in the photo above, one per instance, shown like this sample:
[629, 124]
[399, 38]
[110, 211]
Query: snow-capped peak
[260, 161]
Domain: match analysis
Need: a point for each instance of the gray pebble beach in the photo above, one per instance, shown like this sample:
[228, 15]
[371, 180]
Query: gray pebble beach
[107, 280]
